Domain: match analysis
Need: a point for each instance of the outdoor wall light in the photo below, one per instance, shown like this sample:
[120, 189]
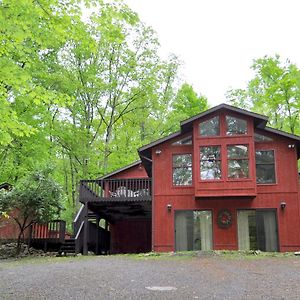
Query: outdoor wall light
[291, 146]
[169, 207]
[282, 204]
[157, 151]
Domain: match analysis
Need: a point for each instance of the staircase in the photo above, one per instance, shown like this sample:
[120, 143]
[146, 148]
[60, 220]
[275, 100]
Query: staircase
[67, 248]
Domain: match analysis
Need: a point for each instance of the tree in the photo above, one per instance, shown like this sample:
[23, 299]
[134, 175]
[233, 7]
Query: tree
[113, 70]
[86, 94]
[274, 91]
[185, 105]
[32, 32]
[32, 36]
[35, 198]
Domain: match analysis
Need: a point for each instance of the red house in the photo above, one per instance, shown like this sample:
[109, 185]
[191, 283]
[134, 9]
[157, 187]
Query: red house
[224, 181]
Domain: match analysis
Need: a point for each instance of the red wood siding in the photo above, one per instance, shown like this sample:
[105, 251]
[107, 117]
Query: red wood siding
[226, 193]
[131, 236]
[137, 171]
[9, 229]
[288, 219]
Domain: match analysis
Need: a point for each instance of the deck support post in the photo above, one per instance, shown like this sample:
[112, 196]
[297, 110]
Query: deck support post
[86, 229]
[98, 232]
[30, 235]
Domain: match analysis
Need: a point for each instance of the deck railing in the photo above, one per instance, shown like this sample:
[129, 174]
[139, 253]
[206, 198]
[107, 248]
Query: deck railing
[119, 189]
[54, 230]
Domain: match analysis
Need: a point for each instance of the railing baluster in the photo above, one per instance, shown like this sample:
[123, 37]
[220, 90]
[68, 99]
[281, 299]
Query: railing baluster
[39, 232]
[54, 229]
[49, 228]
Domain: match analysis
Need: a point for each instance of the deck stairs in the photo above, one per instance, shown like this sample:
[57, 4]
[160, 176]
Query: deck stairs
[67, 248]
[69, 245]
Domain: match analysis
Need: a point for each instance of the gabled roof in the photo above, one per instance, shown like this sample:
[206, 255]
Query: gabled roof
[282, 133]
[161, 140]
[296, 138]
[121, 170]
[186, 125]
[259, 120]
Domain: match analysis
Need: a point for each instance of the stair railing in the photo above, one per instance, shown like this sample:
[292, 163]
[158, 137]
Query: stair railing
[91, 189]
[78, 225]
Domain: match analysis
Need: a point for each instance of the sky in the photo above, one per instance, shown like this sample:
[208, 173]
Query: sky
[218, 40]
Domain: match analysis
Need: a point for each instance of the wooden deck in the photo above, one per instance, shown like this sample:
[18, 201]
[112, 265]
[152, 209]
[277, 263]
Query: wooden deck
[47, 236]
[128, 190]
[111, 199]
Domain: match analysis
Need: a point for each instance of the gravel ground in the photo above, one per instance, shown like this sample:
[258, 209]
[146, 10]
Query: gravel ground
[123, 277]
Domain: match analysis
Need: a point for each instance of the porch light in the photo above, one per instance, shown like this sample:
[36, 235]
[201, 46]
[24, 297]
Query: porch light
[157, 151]
[282, 204]
[169, 207]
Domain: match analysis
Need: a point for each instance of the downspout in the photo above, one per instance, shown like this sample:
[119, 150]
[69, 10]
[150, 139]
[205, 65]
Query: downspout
[152, 205]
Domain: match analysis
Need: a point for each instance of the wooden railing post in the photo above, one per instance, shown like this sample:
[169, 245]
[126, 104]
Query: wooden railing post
[98, 232]
[62, 231]
[85, 230]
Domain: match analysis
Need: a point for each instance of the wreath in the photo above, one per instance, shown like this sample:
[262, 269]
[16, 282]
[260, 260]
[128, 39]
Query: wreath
[224, 218]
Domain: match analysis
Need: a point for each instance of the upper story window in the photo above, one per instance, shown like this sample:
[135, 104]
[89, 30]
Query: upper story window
[182, 169]
[210, 127]
[265, 166]
[210, 162]
[184, 141]
[235, 126]
[238, 161]
[261, 138]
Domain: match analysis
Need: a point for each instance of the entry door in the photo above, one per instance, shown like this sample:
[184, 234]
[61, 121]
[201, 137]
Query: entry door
[193, 230]
[257, 230]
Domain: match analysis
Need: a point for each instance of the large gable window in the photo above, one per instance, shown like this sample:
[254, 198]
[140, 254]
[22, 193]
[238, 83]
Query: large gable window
[238, 161]
[265, 166]
[210, 162]
[210, 127]
[235, 126]
[182, 169]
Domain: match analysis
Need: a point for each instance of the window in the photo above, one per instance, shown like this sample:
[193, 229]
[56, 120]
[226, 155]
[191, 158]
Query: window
[265, 166]
[235, 126]
[238, 161]
[257, 230]
[261, 138]
[210, 127]
[182, 169]
[184, 141]
[193, 230]
[210, 162]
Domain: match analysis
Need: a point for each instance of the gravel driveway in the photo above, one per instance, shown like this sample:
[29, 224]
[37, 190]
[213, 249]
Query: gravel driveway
[122, 277]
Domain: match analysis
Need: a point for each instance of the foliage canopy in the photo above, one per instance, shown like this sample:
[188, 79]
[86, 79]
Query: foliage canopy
[274, 91]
